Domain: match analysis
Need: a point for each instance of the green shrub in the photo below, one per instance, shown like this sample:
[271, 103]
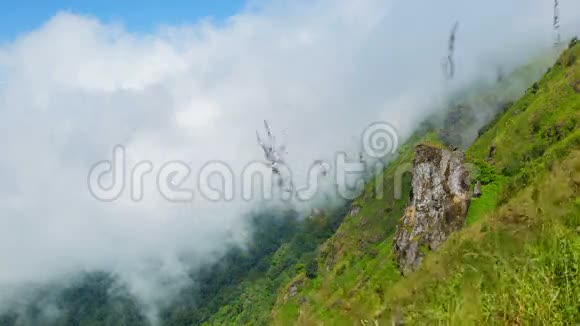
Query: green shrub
[486, 173]
[573, 42]
[312, 269]
[299, 268]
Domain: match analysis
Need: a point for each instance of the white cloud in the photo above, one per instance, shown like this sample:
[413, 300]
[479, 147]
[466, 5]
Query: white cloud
[198, 113]
[320, 71]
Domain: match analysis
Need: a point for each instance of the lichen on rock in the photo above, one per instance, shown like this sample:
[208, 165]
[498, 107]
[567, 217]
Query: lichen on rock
[438, 206]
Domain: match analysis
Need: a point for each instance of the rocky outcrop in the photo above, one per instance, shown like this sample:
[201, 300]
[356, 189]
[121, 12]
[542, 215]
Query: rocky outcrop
[576, 86]
[491, 152]
[294, 288]
[477, 190]
[438, 205]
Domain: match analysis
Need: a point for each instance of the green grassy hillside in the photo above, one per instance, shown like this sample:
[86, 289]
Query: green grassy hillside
[517, 261]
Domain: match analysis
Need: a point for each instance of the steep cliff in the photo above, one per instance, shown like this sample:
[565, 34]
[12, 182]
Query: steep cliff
[438, 205]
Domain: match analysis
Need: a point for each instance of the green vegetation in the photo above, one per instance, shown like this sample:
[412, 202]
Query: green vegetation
[517, 261]
[92, 299]
[518, 265]
[242, 288]
[485, 204]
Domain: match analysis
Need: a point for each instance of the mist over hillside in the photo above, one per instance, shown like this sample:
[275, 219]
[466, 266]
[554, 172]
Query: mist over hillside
[320, 72]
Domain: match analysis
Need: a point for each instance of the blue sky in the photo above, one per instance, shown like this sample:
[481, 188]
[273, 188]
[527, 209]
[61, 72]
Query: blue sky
[17, 17]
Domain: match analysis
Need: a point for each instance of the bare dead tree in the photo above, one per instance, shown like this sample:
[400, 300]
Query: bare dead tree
[448, 63]
[557, 22]
[274, 154]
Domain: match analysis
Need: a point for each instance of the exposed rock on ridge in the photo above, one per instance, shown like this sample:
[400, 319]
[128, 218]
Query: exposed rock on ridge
[438, 205]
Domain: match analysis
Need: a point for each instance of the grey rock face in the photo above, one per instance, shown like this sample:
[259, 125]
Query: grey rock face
[477, 190]
[438, 206]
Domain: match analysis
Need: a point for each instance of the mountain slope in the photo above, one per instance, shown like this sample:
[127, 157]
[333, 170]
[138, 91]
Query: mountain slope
[516, 262]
